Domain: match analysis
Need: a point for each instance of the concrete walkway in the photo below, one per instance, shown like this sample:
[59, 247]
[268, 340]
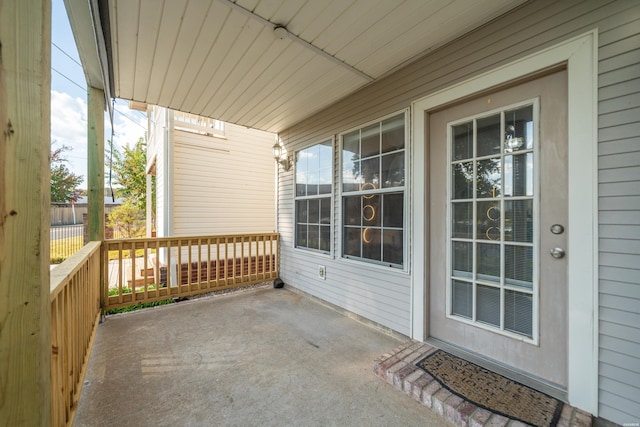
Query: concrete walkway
[265, 357]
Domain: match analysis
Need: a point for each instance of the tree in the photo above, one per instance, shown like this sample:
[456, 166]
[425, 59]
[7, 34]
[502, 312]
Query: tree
[129, 171]
[64, 183]
[127, 220]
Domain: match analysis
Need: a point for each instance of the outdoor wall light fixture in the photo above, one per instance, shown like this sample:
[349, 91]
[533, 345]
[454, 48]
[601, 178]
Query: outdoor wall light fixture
[280, 156]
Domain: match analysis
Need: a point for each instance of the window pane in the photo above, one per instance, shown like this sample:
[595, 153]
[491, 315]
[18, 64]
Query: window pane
[324, 180]
[488, 305]
[370, 141]
[462, 295]
[462, 182]
[462, 259]
[518, 175]
[351, 241]
[488, 221]
[325, 238]
[393, 246]
[393, 210]
[488, 180]
[351, 176]
[518, 221]
[371, 243]
[352, 211]
[518, 129]
[462, 141]
[488, 260]
[393, 170]
[351, 146]
[518, 312]
[314, 211]
[301, 235]
[371, 210]
[313, 237]
[518, 269]
[325, 210]
[462, 220]
[488, 136]
[370, 173]
[302, 215]
[393, 134]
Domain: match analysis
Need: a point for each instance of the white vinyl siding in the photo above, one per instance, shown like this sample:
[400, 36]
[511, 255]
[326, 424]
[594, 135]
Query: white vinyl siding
[223, 186]
[385, 298]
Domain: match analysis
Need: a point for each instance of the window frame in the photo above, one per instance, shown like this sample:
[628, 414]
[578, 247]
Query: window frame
[341, 194]
[329, 195]
[535, 290]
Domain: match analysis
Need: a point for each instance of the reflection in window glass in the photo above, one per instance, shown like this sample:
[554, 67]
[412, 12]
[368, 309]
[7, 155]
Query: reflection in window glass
[373, 180]
[313, 197]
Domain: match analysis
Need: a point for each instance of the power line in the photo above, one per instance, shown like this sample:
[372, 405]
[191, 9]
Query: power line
[68, 56]
[129, 118]
[83, 88]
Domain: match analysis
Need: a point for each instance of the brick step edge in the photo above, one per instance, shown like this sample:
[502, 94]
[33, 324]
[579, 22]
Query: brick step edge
[398, 368]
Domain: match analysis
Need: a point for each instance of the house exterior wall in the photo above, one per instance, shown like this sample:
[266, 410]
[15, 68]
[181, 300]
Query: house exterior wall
[158, 150]
[383, 295]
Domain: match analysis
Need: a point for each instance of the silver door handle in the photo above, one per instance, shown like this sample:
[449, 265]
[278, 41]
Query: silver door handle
[557, 253]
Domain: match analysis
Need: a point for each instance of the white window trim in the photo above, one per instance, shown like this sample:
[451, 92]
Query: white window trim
[332, 195]
[339, 194]
[580, 54]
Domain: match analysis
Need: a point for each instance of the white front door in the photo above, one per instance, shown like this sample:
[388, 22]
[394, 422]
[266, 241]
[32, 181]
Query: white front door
[497, 221]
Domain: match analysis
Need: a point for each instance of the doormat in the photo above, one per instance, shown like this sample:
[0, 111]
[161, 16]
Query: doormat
[492, 391]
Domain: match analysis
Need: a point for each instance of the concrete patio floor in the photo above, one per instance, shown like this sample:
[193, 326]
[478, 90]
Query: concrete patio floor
[263, 357]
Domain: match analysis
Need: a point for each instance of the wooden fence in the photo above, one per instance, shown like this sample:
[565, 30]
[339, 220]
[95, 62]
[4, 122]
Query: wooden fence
[75, 313]
[153, 269]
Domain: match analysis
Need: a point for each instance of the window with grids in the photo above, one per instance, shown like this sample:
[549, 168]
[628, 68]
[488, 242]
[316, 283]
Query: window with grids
[373, 192]
[491, 203]
[313, 197]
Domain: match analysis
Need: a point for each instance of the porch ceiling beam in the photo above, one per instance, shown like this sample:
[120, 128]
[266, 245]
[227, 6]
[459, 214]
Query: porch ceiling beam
[287, 34]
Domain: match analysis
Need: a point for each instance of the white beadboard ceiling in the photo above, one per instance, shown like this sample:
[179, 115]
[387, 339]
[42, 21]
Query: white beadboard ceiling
[222, 58]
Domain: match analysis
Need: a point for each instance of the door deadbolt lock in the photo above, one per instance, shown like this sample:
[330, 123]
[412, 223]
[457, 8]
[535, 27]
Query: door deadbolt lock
[557, 229]
[557, 253]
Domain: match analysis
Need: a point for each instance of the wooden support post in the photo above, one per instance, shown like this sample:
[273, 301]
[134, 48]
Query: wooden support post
[25, 307]
[95, 166]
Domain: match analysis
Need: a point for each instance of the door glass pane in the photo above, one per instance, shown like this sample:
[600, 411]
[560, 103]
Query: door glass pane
[488, 179]
[518, 175]
[462, 259]
[488, 305]
[462, 181]
[518, 221]
[488, 227]
[488, 136]
[462, 141]
[518, 129]
[518, 269]
[488, 260]
[518, 312]
[461, 299]
[462, 220]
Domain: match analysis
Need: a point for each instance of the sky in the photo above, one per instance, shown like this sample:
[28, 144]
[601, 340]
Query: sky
[69, 100]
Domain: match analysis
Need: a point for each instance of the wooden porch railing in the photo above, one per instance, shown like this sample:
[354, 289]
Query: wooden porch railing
[154, 269]
[75, 313]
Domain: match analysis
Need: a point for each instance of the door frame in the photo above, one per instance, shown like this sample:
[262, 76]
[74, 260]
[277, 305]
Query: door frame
[580, 56]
